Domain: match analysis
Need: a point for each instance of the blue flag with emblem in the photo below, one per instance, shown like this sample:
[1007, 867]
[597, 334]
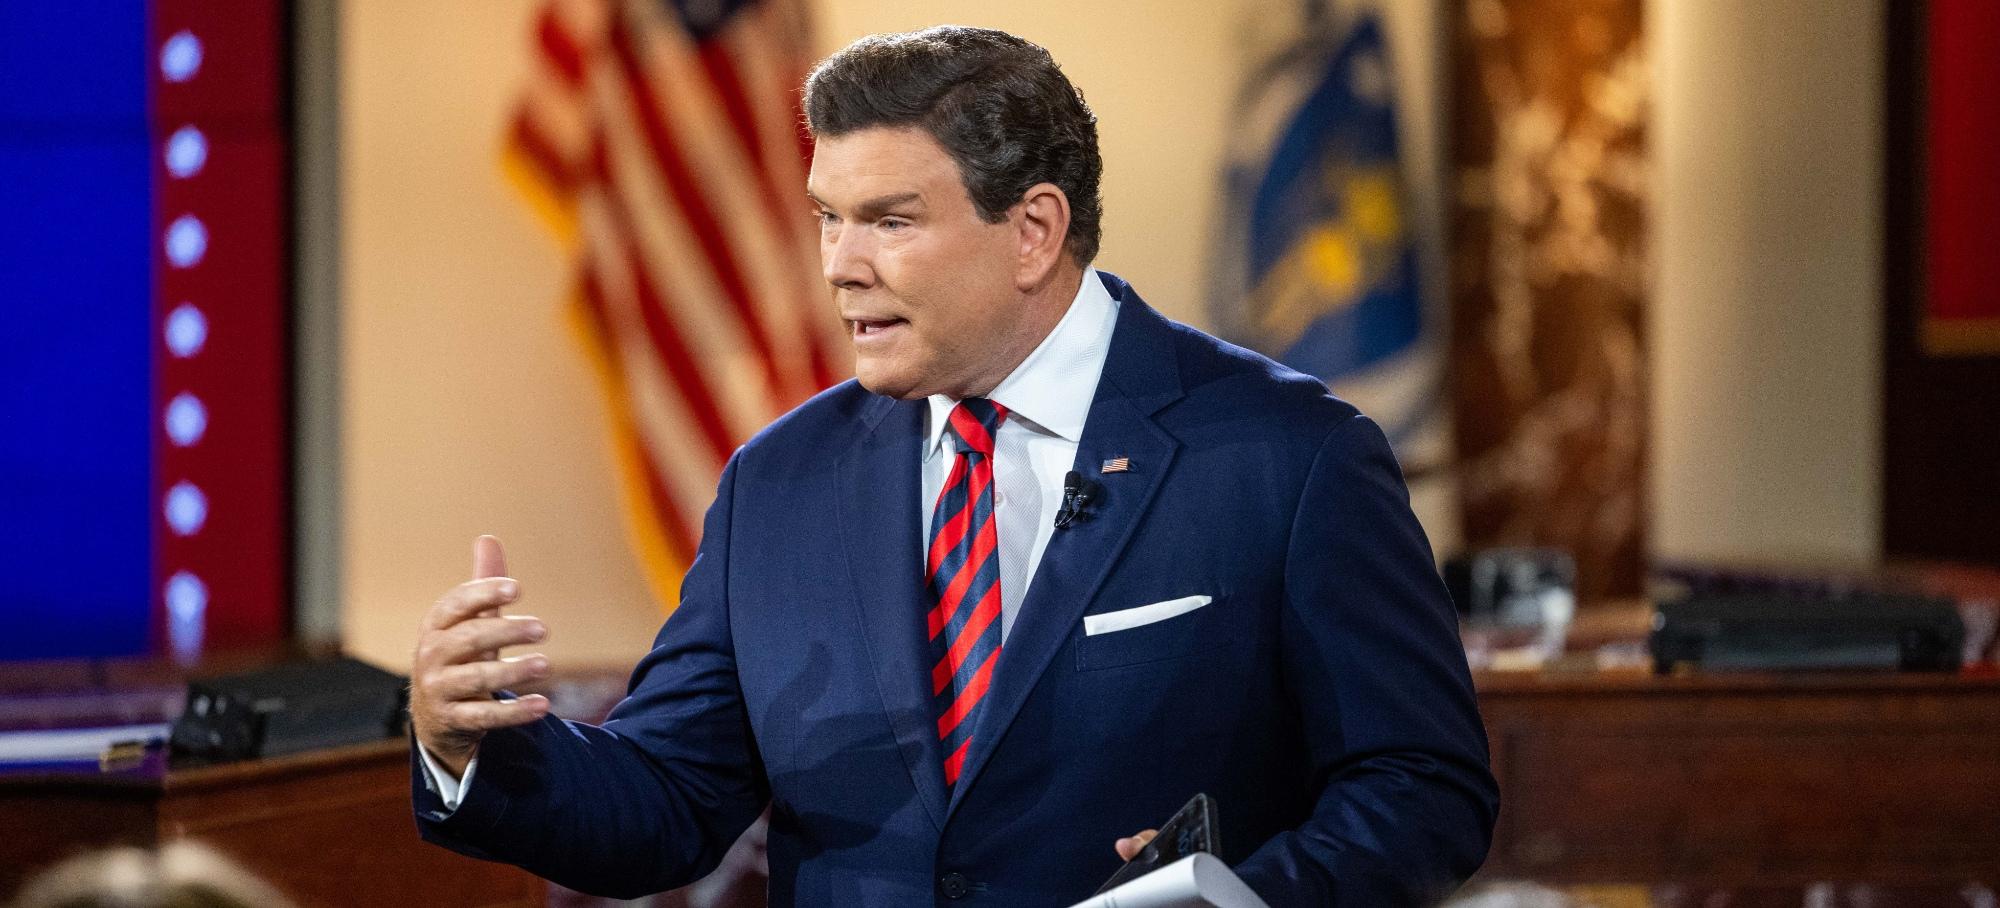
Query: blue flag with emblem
[1318, 264]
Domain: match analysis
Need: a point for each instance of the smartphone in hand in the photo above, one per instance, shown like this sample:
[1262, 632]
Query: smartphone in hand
[1191, 830]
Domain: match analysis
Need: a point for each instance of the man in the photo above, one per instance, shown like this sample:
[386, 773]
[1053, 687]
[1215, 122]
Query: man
[1050, 566]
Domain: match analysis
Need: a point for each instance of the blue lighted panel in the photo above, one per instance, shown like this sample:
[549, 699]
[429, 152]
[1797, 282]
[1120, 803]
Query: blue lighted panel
[76, 346]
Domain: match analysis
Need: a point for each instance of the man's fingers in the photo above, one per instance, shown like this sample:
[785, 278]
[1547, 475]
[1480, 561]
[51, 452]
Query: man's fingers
[488, 559]
[478, 680]
[486, 715]
[471, 598]
[472, 639]
[457, 666]
[1129, 848]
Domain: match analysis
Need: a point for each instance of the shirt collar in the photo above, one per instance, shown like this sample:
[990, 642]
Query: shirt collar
[1051, 390]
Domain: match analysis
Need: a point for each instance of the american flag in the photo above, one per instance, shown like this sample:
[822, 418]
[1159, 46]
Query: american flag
[662, 141]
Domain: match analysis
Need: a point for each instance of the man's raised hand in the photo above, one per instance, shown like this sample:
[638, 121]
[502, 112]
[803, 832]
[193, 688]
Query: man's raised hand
[457, 666]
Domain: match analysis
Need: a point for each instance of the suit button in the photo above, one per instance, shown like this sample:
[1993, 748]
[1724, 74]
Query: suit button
[955, 885]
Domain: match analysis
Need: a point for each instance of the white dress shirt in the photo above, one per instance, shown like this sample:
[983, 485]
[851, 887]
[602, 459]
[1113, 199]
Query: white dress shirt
[1047, 398]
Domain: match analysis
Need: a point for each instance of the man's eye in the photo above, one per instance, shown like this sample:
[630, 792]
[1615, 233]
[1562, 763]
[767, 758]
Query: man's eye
[826, 218]
[893, 223]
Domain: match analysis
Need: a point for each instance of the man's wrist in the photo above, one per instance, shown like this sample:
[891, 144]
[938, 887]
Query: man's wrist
[452, 763]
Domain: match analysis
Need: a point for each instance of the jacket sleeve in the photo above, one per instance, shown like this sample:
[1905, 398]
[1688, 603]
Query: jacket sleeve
[1406, 800]
[653, 798]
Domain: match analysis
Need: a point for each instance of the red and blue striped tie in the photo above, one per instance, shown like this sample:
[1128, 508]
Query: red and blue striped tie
[964, 574]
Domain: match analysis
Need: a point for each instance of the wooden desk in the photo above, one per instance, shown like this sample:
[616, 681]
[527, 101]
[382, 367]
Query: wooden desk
[1726, 781]
[330, 828]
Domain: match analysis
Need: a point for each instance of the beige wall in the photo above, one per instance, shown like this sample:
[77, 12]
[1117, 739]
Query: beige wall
[467, 407]
[1766, 337]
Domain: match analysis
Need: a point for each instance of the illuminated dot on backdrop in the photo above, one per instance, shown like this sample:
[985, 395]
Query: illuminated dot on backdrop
[187, 419]
[187, 330]
[187, 508]
[187, 606]
[180, 57]
[187, 151]
[187, 241]
[187, 597]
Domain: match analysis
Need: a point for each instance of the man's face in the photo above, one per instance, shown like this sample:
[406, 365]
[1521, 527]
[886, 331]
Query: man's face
[926, 287]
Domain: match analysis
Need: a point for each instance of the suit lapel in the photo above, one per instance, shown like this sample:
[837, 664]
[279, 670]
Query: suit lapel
[879, 497]
[1141, 375]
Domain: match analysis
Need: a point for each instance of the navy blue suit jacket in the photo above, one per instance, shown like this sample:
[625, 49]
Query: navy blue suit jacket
[1322, 697]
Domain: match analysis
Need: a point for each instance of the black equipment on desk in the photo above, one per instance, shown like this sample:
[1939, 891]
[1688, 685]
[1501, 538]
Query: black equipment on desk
[1773, 631]
[287, 709]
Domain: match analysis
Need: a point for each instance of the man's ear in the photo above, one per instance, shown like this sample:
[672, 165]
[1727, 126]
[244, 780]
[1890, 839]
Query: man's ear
[1042, 218]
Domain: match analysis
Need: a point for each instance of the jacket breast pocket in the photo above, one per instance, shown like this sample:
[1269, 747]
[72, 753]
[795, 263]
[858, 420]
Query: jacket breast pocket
[1157, 632]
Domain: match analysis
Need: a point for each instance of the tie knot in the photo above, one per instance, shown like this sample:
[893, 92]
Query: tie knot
[973, 423]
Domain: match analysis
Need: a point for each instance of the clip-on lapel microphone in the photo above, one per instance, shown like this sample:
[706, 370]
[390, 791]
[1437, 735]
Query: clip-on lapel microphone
[1077, 497]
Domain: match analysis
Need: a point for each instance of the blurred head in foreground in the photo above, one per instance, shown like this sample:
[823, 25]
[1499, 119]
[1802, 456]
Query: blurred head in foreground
[1510, 895]
[180, 875]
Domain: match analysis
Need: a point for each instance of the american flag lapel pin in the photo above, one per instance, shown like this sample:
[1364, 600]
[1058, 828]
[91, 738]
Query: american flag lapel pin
[1116, 465]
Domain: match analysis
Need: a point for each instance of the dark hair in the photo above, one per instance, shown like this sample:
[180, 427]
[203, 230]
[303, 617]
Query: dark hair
[998, 104]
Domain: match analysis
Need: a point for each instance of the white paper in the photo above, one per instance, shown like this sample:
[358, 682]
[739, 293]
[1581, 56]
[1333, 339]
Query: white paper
[1195, 881]
[73, 744]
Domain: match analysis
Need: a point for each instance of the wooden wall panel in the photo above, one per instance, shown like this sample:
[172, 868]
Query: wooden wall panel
[1548, 289]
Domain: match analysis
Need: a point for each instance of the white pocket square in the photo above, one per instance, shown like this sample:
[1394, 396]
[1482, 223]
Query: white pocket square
[1126, 619]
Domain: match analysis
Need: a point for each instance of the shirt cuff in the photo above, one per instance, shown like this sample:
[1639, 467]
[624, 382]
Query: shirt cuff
[449, 790]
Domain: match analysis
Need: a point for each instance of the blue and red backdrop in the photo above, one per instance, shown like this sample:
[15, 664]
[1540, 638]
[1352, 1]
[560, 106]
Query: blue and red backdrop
[144, 281]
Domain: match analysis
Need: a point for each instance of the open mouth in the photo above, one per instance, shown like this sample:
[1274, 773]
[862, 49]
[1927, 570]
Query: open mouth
[872, 327]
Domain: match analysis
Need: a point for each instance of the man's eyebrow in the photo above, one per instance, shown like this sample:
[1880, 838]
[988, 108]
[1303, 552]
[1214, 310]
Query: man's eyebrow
[875, 206]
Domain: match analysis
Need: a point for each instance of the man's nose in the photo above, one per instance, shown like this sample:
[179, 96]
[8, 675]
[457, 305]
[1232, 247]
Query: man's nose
[844, 258]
